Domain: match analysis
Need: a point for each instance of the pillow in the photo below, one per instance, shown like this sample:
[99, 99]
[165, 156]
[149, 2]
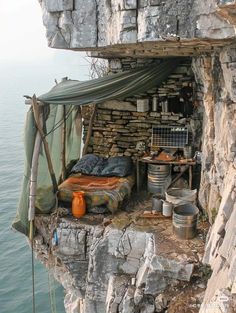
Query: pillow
[87, 164]
[91, 164]
[119, 166]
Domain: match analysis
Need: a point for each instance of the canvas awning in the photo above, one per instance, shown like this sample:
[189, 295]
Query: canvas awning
[72, 94]
[115, 86]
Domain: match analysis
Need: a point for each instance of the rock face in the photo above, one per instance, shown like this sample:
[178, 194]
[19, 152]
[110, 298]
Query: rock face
[115, 269]
[97, 24]
[150, 29]
[217, 191]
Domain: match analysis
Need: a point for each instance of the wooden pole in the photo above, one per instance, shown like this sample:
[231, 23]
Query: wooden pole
[45, 144]
[63, 151]
[33, 177]
[90, 129]
[79, 126]
[190, 176]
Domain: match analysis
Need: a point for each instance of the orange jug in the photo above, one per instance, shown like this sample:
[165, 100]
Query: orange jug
[78, 204]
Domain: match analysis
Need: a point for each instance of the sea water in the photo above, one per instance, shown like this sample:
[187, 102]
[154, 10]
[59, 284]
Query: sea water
[15, 254]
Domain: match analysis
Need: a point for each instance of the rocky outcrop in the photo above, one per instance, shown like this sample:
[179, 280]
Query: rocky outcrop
[150, 29]
[120, 264]
[95, 25]
[217, 191]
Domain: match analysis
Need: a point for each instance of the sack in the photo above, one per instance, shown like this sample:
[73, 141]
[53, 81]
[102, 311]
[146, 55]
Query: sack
[178, 196]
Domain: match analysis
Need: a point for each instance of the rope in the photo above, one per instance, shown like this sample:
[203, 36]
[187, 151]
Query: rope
[60, 122]
[52, 295]
[32, 268]
[53, 222]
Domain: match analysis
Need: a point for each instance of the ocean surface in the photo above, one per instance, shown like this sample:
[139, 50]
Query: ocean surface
[15, 254]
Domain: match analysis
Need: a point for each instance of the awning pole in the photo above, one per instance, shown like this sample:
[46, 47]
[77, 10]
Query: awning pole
[63, 139]
[32, 198]
[45, 144]
[90, 129]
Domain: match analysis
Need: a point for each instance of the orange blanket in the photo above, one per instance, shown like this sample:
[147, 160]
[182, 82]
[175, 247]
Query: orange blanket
[89, 183]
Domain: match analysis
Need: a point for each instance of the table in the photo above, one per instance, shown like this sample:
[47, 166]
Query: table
[184, 162]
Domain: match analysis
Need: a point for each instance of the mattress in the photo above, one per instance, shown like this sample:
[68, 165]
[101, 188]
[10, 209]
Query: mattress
[99, 191]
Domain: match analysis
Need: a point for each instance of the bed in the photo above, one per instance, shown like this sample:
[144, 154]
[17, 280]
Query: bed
[100, 190]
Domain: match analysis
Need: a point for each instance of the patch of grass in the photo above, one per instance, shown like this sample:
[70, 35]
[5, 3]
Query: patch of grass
[214, 212]
[204, 271]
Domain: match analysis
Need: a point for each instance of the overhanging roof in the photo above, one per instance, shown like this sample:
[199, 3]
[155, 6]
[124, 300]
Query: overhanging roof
[115, 86]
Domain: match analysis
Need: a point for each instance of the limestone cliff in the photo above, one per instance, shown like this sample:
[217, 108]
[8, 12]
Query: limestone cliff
[217, 190]
[138, 27]
[204, 30]
[122, 264]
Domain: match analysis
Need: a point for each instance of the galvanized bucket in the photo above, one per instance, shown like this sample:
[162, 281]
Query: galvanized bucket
[156, 203]
[185, 221]
[158, 178]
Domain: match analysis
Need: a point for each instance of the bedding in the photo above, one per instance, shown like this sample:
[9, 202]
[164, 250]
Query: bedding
[108, 191]
[95, 165]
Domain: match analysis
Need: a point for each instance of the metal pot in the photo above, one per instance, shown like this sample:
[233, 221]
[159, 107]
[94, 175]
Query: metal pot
[156, 203]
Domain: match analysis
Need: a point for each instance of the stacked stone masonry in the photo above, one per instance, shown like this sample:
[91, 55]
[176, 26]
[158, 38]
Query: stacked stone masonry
[118, 128]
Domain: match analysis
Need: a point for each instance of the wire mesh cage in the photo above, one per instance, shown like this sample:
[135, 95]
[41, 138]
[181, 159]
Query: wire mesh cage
[169, 137]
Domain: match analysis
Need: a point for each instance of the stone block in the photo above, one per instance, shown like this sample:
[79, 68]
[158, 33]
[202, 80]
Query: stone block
[128, 301]
[156, 2]
[84, 32]
[171, 268]
[118, 106]
[147, 305]
[123, 27]
[58, 5]
[116, 290]
[141, 276]
[160, 303]
[122, 5]
[142, 3]
[130, 4]
[128, 36]
[104, 117]
[155, 283]
[72, 242]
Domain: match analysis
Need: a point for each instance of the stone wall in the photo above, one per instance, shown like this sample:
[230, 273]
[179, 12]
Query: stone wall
[118, 128]
[217, 192]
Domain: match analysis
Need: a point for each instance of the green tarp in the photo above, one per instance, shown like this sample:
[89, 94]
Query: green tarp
[45, 199]
[116, 86]
[71, 94]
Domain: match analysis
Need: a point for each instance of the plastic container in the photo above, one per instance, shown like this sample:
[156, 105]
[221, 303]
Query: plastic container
[142, 105]
[154, 103]
[185, 221]
[188, 152]
[78, 204]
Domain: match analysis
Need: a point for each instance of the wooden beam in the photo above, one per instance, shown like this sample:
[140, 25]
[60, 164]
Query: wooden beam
[90, 129]
[45, 143]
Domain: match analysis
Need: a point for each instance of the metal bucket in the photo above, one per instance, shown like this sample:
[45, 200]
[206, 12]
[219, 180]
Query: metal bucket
[156, 203]
[181, 196]
[158, 178]
[167, 209]
[185, 221]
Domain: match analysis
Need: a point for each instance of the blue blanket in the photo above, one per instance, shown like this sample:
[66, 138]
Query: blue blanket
[92, 164]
